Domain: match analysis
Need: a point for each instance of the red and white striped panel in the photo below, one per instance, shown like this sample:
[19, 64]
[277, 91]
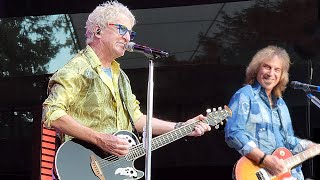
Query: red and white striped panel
[48, 148]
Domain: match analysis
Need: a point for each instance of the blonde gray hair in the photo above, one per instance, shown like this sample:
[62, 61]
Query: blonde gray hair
[263, 55]
[103, 14]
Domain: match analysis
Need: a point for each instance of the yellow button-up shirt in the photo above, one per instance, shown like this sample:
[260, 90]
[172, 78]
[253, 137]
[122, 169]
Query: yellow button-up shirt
[82, 90]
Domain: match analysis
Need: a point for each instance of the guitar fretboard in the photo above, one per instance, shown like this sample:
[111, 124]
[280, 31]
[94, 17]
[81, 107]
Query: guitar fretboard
[213, 119]
[301, 157]
[162, 140]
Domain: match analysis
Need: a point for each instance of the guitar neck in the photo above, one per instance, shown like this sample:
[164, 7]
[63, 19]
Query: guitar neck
[172, 136]
[213, 119]
[301, 157]
[162, 140]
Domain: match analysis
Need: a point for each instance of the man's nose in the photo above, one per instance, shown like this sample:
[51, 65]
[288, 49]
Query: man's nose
[271, 71]
[126, 36]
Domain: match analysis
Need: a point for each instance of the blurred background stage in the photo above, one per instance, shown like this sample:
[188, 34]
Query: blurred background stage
[210, 43]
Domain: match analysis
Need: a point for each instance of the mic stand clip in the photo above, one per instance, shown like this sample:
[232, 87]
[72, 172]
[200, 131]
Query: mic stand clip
[313, 98]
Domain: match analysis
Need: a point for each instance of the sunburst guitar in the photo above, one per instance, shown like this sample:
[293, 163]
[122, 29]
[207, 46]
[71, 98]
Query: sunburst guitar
[245, 169]
[79, 160]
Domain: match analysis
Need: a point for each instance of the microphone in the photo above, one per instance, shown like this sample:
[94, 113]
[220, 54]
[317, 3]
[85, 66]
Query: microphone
[150, 52]
[305, 87]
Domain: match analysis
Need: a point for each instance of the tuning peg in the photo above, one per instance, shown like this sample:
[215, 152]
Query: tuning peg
[221, 122]
[219, 108]
[217, 126]
[208, 111]
[214, 109]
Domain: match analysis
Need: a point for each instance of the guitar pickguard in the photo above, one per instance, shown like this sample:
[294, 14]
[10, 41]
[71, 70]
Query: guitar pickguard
[130, 140]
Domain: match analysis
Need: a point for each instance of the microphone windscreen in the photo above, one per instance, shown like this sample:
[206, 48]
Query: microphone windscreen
[130, 46]
[294, 84]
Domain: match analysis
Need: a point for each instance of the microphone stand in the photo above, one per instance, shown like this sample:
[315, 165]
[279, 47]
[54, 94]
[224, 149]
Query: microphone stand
[151, 54]
[315, 101]
[148, 137]
[310, 96]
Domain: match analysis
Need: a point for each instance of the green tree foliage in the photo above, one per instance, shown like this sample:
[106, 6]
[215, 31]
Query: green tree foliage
[291, 24]
[28, 43]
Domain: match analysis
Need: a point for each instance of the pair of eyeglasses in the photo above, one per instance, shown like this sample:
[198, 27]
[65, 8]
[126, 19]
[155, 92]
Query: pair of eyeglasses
[123, 30]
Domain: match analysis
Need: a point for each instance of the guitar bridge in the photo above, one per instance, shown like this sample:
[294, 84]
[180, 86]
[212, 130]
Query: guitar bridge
[259, 175]
[96, 168]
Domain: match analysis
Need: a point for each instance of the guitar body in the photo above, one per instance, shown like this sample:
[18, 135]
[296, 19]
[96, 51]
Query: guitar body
[79, 160]
[245, 169]
[73, 161]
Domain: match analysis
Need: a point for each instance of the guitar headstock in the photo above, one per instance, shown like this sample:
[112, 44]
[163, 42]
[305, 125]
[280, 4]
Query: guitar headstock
[216, 117]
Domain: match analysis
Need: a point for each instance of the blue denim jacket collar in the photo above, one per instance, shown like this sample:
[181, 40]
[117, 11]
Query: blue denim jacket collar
[259, 90]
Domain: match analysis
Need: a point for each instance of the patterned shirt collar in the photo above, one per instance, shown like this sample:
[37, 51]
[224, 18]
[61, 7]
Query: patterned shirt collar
[94, 60]
[259, 90]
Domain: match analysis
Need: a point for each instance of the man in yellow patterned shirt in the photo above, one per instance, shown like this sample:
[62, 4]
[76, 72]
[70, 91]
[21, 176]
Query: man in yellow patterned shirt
[90, 98]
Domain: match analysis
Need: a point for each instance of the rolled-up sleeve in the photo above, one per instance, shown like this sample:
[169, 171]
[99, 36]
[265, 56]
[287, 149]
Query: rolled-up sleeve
[236, 135]
[135, 108]
[61, 94]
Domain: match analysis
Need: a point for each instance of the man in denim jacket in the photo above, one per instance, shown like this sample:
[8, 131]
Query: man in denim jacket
[261, 121]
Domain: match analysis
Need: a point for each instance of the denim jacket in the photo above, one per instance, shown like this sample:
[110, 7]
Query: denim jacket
[250, 125]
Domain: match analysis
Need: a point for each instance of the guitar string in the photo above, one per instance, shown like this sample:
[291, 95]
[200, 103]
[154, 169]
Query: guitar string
[115, 159]
[112, 159]
[134, 150]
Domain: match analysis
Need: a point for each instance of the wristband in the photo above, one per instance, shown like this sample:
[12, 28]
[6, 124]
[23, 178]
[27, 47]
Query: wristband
[179, 124]
[261, 160]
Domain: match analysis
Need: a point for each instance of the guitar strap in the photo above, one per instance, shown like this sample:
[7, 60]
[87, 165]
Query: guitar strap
[121, 77]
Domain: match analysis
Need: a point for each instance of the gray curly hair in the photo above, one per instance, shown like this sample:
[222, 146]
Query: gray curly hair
[105, 13]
